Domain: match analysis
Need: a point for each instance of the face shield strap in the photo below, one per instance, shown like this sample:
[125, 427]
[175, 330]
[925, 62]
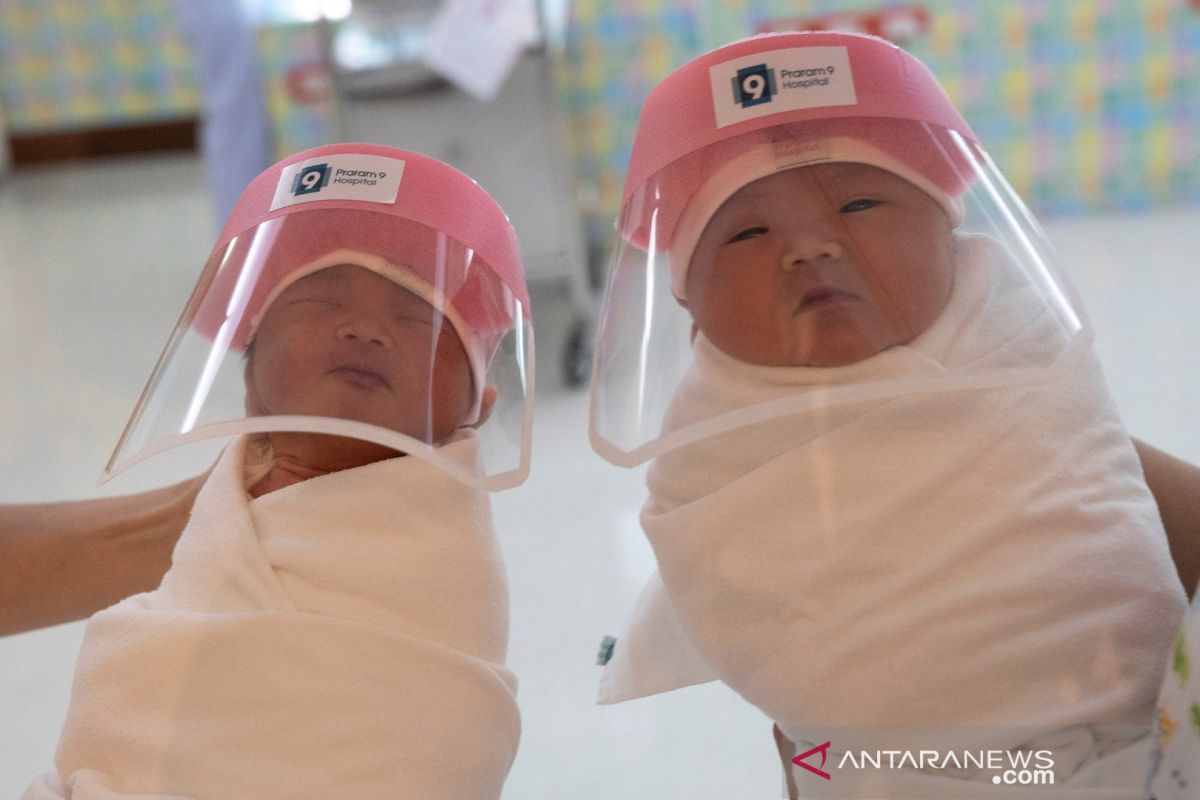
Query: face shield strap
[406, 278]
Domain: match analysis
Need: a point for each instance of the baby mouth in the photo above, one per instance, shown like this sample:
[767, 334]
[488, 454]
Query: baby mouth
[824, 296]
[361, 376]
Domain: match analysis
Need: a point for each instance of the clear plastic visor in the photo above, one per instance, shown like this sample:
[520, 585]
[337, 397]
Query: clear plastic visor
[377, 339]
[785, 272]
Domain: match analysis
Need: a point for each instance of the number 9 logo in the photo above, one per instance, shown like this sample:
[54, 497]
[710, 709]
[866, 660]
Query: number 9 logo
[754, 85]
[311, 179]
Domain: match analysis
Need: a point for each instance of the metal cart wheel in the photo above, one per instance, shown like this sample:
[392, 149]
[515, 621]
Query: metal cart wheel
[577, 356]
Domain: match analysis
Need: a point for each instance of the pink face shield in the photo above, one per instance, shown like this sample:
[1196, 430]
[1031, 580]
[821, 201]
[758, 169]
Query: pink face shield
[810, 211]
[358, 291]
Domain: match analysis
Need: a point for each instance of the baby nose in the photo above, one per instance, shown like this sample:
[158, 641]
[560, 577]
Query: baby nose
[367, 329]
[810, 249]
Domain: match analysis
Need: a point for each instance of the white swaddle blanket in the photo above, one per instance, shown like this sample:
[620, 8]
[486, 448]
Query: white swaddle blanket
[341, 637]
[989, 558]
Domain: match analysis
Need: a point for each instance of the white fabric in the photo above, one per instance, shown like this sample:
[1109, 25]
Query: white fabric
[654, 654]
[1176, 771]
[978, 558]
[341, 637]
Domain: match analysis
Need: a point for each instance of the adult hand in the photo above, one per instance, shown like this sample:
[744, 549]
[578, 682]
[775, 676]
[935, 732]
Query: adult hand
[1175, 485]
[65, 561]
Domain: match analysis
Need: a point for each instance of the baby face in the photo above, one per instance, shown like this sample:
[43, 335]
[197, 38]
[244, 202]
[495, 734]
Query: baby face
[346, 342]
[822, 266]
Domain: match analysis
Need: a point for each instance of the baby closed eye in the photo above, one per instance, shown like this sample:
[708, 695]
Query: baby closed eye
[748, 233]
[861, 204]
[423, 322]
[319, 302]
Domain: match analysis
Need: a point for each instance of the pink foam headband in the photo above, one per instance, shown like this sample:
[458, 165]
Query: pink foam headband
[422, 190]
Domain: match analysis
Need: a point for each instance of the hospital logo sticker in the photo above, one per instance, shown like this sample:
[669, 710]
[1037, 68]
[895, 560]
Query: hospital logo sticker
[778, 81]
[363, 177]
[754, 85]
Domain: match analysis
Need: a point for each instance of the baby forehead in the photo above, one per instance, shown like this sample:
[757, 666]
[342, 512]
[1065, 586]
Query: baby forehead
[820, 178]
[352, 280]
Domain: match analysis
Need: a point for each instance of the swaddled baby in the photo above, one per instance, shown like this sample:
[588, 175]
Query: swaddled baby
[976, 565]
[335, 619]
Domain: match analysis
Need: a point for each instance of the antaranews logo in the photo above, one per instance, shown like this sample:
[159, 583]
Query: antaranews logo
[1009, 768]
[823, 749]
[754, 85]
[311, 179]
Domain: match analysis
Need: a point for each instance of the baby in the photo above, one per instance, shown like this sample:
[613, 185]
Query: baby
[334, 622]
[892, 504]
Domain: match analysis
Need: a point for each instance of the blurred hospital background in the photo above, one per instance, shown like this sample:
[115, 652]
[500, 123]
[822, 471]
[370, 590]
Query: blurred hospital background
[127, 127]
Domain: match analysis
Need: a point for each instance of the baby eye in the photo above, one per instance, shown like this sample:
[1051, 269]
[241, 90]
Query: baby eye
[409, 319]
[748, 233]
[861, 204]
[316, 300]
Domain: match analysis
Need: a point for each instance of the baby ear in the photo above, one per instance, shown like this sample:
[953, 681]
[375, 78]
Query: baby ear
[254, 406]
[486, 404]
[683, 305]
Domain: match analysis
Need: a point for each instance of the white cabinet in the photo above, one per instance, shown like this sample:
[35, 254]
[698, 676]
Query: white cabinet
[513, 146]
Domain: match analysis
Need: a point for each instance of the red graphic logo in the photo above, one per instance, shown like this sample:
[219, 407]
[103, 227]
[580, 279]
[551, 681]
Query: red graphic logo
[822, 748]
[900, 23]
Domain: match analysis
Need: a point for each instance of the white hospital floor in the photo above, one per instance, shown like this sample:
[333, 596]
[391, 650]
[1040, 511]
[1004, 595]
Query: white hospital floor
[97, 260]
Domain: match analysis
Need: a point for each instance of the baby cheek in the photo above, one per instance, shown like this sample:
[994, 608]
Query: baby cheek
[286, 370]
[275, 383]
